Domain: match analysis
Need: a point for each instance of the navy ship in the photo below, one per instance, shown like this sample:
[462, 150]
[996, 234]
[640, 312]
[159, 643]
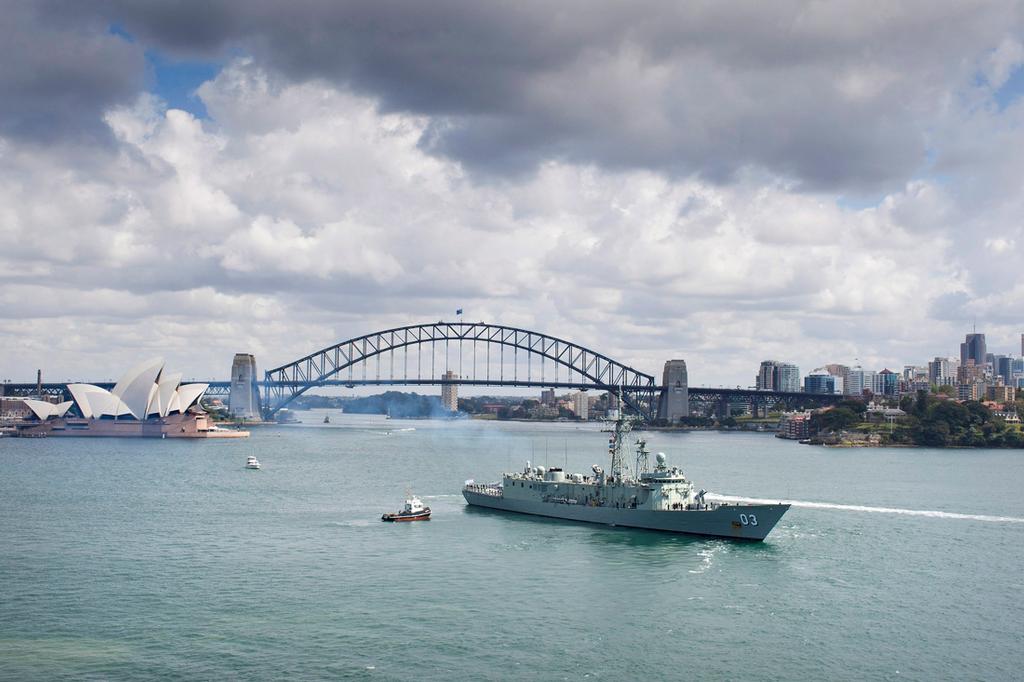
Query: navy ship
[661, 498]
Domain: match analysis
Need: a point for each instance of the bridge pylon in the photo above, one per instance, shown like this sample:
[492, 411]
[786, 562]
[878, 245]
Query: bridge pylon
[674, 399]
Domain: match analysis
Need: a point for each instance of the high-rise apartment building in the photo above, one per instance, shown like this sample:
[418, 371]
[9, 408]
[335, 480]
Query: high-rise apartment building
[970, 391]
[1000, 394]
[942, 371]
[789, 378]
[973, 348]
[778, 376]
[581, 405]
[449, 391]
[765, 379]
[861, 380]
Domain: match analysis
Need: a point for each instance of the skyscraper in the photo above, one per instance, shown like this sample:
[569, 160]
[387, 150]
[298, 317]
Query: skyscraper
[973, 348]
[1003, 367]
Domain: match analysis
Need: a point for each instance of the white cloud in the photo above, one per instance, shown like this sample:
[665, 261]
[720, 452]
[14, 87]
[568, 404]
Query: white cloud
[300, 215]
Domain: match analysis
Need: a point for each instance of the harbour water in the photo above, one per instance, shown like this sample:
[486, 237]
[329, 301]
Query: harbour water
[165, 559]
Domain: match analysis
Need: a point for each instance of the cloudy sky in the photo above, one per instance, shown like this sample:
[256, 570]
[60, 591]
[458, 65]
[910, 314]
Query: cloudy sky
[723, 182]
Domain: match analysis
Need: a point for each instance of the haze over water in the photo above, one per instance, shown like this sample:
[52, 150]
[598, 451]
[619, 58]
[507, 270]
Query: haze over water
[161, 559]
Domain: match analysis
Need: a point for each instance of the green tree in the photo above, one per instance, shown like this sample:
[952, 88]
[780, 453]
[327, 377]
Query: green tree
[836, 419]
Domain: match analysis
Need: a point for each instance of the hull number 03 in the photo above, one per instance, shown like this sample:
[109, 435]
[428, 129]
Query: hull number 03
[748, 519]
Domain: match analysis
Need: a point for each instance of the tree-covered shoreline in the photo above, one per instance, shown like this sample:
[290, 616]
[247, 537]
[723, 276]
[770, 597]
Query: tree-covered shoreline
[927, 420]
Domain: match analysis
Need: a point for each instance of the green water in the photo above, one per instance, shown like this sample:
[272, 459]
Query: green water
[129, 559]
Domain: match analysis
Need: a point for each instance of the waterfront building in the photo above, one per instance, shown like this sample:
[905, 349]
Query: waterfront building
[449, 391]
[581, 406]
[14, 408]
[145, 402]
[795, 425]
[820, 381]
[973, 348]
[547, 397]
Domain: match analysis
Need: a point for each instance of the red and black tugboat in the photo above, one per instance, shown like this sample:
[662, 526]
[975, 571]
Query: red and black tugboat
[412, 511]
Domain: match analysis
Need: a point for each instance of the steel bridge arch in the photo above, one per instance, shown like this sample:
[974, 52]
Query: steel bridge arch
[287, 382]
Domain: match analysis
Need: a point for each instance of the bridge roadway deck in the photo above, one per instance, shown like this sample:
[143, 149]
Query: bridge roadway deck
[696, 392]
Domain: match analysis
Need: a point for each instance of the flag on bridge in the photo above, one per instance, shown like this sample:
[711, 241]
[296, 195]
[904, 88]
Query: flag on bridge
[458, 311]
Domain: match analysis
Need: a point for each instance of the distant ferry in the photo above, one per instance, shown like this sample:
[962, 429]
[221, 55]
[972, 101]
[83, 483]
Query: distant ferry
[659, 499]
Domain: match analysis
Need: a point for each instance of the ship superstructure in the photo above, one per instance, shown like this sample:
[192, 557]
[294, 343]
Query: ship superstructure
[658, 498]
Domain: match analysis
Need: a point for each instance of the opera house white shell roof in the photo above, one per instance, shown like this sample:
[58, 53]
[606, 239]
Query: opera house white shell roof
[44, 410]
[144, 391]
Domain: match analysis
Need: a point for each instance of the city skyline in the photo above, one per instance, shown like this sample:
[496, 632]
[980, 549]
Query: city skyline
[229, 177]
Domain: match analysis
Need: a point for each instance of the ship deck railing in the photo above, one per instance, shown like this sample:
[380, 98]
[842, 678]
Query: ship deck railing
[492, 489]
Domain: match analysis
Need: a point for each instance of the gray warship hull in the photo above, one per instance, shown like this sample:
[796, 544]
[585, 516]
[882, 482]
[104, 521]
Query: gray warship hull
[734, 521]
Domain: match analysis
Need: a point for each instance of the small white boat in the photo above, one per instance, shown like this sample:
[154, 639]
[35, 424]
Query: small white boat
[252, 463]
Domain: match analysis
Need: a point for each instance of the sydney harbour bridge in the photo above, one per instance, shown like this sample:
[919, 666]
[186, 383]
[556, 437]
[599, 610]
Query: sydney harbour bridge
[476, 354]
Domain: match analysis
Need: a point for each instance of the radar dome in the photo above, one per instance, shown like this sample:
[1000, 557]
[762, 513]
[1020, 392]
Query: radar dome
[661, 458]
[540, 471]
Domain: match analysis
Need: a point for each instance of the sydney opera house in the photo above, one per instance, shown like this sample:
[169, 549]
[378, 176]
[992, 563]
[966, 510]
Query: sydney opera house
[146, 402]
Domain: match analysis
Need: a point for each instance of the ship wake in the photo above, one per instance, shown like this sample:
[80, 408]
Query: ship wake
[874, 510]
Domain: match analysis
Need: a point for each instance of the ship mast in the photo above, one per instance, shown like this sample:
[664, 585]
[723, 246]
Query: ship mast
[616, 441]
[642, 463]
